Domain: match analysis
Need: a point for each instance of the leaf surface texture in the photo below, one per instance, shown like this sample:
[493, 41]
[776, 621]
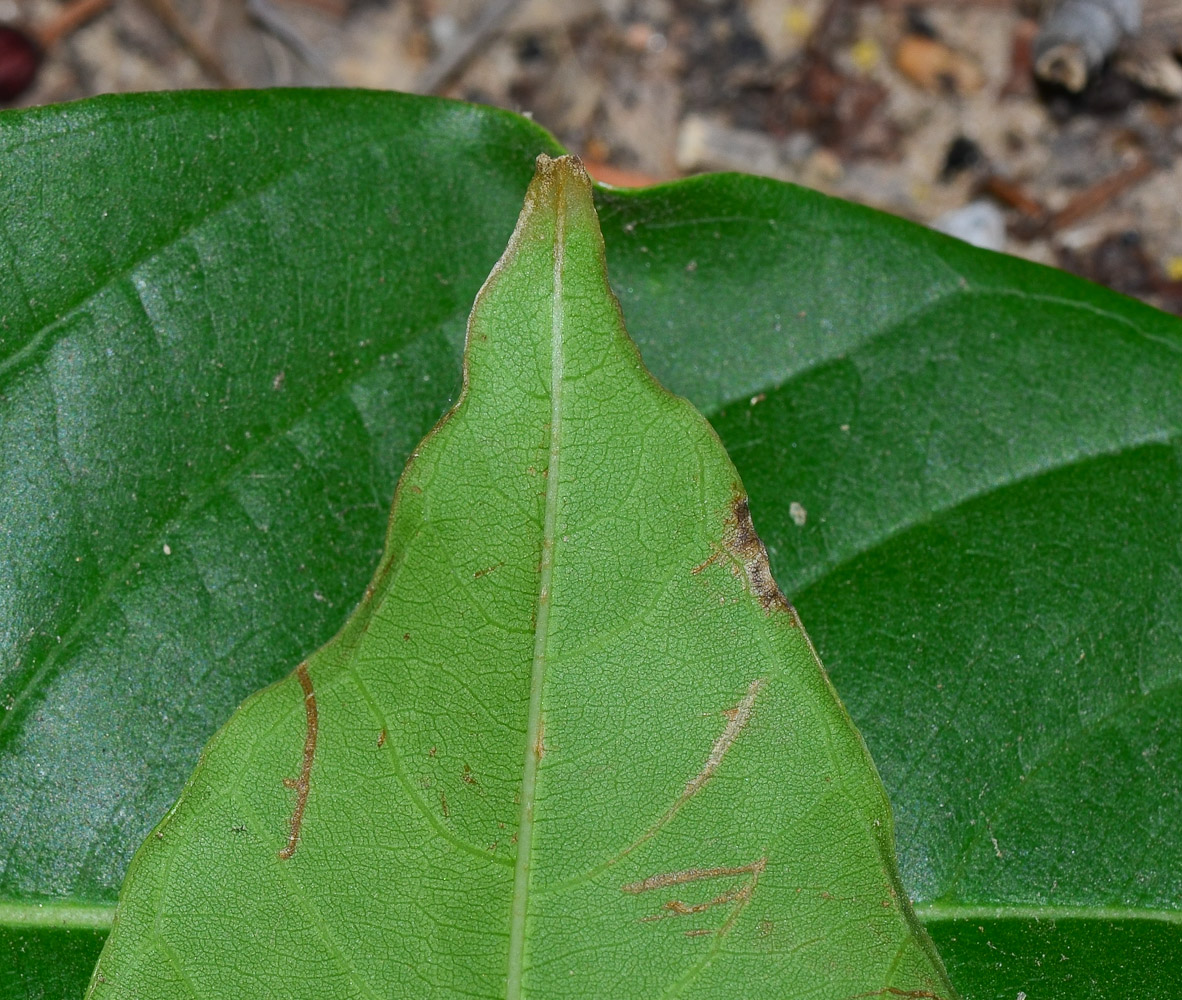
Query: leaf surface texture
[228, 319]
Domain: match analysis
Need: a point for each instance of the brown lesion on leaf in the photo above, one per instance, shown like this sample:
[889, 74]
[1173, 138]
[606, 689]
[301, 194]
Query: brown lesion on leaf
[705, 563]
[736, 721]
[381, 739]
[738, 896]
[748, 549]
[488, 569]
[667, 879]
[444, 806]
[302, 783]
[676, 908]
[540, 742]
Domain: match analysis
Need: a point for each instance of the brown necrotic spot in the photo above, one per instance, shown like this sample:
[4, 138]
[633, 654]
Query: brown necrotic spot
[301, 784]
[748, 549]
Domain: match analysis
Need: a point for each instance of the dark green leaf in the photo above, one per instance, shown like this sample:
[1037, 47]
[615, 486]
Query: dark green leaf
[217, 319]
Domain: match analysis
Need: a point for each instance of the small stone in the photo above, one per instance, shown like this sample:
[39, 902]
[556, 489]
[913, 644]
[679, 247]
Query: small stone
[937, 67]
[979, 223]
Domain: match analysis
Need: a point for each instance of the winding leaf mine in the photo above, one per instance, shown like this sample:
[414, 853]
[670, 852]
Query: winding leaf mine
[573, 741]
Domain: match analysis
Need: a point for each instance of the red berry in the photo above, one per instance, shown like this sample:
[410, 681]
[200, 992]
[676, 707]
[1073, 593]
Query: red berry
[20, 57]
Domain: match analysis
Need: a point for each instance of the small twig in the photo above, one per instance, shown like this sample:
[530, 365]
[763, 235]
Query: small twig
[333, 8]
[69, 19]
[830, 27]
[1037, 221]
[1094, 198]
[1019, 81]
[209, 61]
[457, 55]
[1013, 196]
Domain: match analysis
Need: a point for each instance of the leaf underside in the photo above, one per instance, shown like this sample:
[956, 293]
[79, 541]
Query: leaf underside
[572, 742]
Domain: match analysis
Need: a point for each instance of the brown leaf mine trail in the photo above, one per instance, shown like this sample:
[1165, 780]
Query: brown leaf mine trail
[738, 895]
[302, 783]
[737, 719]
[691, 875]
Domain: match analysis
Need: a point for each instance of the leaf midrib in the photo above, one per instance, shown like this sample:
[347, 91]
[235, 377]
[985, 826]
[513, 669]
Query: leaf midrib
[931, 913]
[62, 915]
[56, 914]
[533, 734]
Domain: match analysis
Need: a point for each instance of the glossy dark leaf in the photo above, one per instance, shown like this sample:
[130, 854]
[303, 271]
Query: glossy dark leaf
[227, 318]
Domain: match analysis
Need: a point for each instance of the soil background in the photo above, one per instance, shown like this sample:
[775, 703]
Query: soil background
[928, 110]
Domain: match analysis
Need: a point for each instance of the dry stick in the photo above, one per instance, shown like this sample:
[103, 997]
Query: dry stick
[1037, 221]
[1013, 196]
[69, 19]
[829, 25]
[457, 55]
[895, 5]
[1021, 76]
[209, 61]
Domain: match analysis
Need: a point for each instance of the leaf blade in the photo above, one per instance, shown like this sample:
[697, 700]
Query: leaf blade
[522, 609]
[851, 270]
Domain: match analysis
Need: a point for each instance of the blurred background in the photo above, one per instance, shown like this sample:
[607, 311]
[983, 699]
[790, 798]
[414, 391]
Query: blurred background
[1050, 130]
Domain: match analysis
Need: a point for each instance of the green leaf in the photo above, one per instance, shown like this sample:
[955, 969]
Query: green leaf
[572, 734]
[1006, 496]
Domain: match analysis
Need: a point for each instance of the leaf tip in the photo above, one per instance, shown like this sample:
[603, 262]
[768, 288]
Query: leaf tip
[562, 182]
